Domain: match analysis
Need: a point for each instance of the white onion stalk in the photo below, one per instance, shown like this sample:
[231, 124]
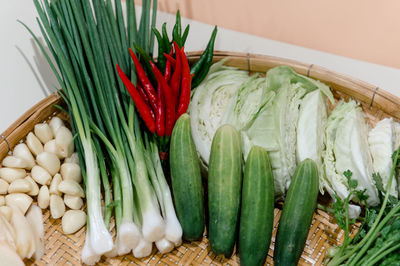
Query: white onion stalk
[153, 226]
[89, 256]
[100, 238]
[114, 252]
[128, 237]
[143, 249]
[128, 233]
[164, 246]
[173, 229]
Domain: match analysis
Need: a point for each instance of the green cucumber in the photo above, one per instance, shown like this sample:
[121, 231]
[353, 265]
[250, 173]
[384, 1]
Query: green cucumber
[186, 180]
[257, 210]
[297, 214]
[224, 186]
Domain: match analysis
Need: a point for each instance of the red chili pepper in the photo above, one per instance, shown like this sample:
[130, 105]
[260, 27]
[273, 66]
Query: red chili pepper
[184, 98]
[170, 59]
[144, 110]
[160, 115]
[170, 100]
[144, 80]
[142, 93]
[175, 81]
[167, 72]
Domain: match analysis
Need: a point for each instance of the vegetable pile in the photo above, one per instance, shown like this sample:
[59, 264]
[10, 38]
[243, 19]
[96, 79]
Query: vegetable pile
[287, 114]
[258, 138]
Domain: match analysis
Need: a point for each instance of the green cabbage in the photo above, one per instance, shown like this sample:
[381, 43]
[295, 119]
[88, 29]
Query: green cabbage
[275, 127]
[311, 131]
[347, 149]
[381, 141]
[247, 103]
[209, 102]
[265, 110]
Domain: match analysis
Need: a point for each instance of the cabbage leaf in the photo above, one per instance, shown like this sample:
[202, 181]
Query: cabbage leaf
[347, 149]
[381, 141]
[311, 131]
[209, 102]
[275, 128]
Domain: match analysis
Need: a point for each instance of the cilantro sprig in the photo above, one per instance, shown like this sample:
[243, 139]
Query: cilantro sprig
[379, 235]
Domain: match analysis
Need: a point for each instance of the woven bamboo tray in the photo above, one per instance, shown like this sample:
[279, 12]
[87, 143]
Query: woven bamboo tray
[66, 250]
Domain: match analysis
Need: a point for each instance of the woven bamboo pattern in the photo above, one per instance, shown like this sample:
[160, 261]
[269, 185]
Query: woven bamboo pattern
[63, 249]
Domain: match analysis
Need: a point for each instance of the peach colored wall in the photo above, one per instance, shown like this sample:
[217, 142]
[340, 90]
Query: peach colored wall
[368, 30]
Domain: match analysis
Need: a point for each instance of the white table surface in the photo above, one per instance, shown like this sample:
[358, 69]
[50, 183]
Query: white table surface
[25, 77]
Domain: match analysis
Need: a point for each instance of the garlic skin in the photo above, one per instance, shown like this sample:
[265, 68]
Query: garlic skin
[35, 220]
[24, 236]
[6, 211]
[74, 158]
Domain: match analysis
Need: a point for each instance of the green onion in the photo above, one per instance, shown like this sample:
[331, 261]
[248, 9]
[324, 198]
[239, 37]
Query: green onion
[86, 42]
[87, 39]
[173, 229]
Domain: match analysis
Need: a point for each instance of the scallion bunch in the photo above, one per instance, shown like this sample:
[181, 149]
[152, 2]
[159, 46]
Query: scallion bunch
[87, 39]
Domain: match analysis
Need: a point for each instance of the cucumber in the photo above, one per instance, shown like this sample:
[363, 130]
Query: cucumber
[257, 210]
[297, 214]
[224, 186]
[186, 180]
